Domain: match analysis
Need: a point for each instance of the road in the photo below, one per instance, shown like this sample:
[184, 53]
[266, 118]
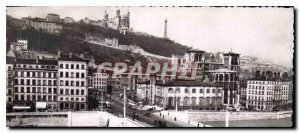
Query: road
[117, 107]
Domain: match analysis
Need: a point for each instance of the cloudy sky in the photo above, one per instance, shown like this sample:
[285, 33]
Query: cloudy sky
[266, 33]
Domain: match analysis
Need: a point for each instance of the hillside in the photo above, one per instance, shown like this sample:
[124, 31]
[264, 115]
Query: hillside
[71, 40]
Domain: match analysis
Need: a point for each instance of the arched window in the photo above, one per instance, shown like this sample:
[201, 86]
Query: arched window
[221, 77]
[226, 77]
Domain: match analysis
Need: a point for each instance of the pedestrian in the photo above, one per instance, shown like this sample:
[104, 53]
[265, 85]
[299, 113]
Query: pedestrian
[198, 125]
[163, 116]
[159, 114]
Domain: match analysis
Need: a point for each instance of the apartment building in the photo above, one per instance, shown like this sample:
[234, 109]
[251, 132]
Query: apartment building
[73, 85]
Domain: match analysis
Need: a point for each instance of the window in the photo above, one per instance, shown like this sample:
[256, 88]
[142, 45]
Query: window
[82, 83]
[207, 91]
[194, 91]
[61, 74]
[201, 91]
[82, 75]
[82, 66]
[186, 90]
[77, 92]
[61, 91]
[49, 90]
[22, 81]
[72, 92]
[16, 81]
[16, 89]
[67, 74]
[67, 83]
[77, 66]
[82, 92]
[170, 90]
[28, 90]
[67, 66]
[28, 98]
[72, 66]
[77, 83]
[22, 89]
[33, 90]
[77, 75]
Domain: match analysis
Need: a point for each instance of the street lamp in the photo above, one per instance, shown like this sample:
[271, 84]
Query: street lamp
[124, 108]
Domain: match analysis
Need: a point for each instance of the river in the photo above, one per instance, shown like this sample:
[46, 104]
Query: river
[284, 122]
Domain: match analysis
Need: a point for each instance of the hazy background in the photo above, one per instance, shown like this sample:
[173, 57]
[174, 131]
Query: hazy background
[266, 33]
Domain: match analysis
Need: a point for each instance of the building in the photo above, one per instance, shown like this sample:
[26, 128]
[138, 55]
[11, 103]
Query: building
[51, 17]
[194, 59]
[10, 61]
[35, 80]
[228, 77]
[269, 93]
[69, 20]
[42, 24]
[191, 94]
[73, 84]
[118, 22]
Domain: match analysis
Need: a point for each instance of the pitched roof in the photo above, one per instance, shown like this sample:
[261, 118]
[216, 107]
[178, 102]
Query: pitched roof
[10, 60]
[71, 58]
[37, 61]
[231, 53]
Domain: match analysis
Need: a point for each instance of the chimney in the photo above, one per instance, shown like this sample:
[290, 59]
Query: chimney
[81, 55]
[37, 60]
[70, 55]
[58, 53]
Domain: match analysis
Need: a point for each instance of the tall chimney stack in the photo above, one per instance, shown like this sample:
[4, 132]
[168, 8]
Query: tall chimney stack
[166, 30]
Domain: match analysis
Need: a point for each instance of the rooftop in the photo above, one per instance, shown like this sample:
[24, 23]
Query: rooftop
[189, 83]
[37, 61]
[231, 53]
[71, 58]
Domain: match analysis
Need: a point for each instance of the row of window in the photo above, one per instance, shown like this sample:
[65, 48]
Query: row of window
[71, 92]
[71, 99]
[35, 66]
[22, 97]
[72, 83]
[71, 75]
[170, 90]
[35, 82]
[268, 82]
[36, 74]
[35, 90]
[71, 66]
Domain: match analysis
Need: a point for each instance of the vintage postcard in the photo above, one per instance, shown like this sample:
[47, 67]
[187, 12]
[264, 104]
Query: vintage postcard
[189, 67]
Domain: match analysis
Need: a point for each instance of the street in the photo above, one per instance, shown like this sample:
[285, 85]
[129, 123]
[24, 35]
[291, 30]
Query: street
[117, 107]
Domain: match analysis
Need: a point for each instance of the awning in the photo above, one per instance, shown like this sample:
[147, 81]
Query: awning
[41, 105]
[21, 107]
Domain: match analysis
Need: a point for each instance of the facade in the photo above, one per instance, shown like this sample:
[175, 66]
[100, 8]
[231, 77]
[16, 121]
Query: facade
[44, 25]
[51, 17]
[228, 77]
[35, 81]
[10, 61]
[100, 82]
[69, 20]
[267, 94]
[194, 59]
[191, 94]
[73, 85]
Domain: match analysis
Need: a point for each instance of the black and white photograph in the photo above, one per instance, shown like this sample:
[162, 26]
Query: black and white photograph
[150, 67]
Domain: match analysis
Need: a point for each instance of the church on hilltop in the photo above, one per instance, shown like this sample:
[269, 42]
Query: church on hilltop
[117, 22]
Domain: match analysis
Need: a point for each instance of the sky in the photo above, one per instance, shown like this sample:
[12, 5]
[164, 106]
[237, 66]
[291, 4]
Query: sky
[266, 33]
